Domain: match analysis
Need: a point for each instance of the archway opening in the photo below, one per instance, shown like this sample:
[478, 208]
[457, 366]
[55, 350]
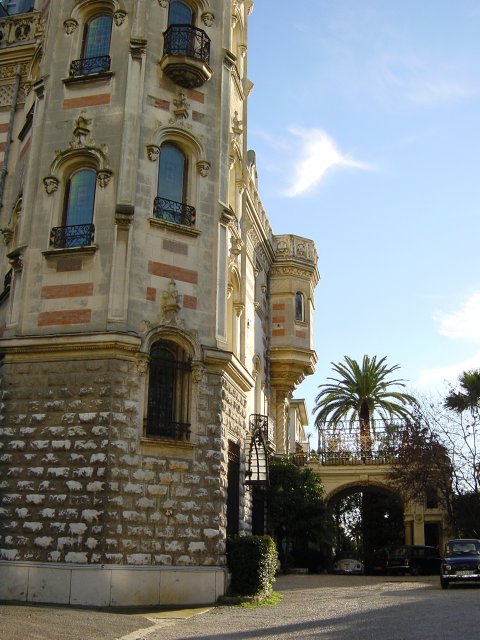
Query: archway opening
[366, 519]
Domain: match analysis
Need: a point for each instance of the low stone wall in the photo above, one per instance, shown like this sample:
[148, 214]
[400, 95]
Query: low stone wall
[110, 586]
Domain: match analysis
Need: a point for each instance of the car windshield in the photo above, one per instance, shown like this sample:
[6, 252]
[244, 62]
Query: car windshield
[347, 555]
[398, 552]
[463, 548]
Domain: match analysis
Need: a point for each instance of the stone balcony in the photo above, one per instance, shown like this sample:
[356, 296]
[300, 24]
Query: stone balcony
[20, 29]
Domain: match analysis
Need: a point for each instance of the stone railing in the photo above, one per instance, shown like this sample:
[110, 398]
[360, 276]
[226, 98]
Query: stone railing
[20, 28]
[290, 246]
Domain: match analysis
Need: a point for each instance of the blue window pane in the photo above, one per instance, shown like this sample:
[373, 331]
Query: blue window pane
[180, 13]
[171, 178]
[80, 198]
[97, 37]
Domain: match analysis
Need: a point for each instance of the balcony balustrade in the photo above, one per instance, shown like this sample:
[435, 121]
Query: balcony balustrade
[186, 55]
[343, 444]
[78, 235]
[20, 29]
[265, 425]
[88, 66]
[176, 212]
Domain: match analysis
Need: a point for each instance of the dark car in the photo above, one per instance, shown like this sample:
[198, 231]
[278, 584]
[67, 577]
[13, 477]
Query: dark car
[407, 559]
[461, 563]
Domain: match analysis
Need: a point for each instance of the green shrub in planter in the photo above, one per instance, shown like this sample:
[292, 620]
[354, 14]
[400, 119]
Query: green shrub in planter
[252, 562]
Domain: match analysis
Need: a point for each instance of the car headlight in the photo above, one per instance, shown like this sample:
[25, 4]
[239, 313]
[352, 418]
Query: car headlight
[447, 567]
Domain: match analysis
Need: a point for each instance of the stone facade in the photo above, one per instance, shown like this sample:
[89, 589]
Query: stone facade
[104, 498]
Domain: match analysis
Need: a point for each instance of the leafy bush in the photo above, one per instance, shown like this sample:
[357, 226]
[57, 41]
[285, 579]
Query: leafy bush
[252, 562]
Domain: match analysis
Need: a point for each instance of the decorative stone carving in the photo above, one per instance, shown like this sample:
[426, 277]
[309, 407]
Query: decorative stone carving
[51, 184]
[163, 3]
[170, 305]
[153, 152]
[239, 308]
[198, 372]
[69, 26]
[16, 260]
[282, 247]
[81, 133]
[142, 367]
[119, 17]
[181, 107]
[236, 245]
[237, 125]
[208, 18]
[103, 177]
[7, 233]
[203, 167]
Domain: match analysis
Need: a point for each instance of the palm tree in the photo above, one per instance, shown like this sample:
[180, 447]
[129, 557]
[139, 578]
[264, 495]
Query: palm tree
[361, 391]
[469, 396]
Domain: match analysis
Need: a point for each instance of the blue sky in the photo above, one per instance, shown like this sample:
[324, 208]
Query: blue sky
[365, 118]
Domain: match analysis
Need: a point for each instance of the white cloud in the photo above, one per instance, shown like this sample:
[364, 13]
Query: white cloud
[463, 324]
[429, 379]
[317, 154]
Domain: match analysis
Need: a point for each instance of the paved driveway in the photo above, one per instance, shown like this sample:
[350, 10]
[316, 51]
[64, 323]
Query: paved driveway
[313, 607]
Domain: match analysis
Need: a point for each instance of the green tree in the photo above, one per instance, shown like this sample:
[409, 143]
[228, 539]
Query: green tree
[423, 467]
[361, 391]
[296, 508]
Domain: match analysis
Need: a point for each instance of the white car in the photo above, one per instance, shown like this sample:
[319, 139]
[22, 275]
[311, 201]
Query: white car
[348, 563]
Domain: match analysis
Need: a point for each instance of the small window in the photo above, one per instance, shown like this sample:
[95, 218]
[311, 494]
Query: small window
[168, 392]
[299, 307]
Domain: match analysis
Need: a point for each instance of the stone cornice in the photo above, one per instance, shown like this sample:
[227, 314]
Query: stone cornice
[226, 363]
[78, 347]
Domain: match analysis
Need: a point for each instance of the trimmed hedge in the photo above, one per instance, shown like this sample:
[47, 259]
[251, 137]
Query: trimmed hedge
[252, 562]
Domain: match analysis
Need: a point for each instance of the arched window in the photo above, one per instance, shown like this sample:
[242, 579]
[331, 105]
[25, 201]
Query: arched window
[170, 203]
[95, 47]
[180, 13]
[299, 307]
[168, 392]
[78, 210]
[172, 173]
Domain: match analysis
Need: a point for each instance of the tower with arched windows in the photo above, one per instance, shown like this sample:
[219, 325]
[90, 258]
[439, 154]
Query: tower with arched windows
[153, 328]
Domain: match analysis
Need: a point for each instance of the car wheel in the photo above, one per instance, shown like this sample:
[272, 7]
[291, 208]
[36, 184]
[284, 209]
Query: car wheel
[444, 583]
[414, 570]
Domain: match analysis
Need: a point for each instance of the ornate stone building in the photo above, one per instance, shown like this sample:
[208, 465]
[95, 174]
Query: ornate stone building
[153, 327]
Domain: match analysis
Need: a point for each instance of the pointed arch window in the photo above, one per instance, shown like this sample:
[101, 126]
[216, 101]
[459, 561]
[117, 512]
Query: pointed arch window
[168, 392]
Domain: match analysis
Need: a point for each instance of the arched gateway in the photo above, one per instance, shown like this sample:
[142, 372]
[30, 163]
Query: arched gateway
[344, 462]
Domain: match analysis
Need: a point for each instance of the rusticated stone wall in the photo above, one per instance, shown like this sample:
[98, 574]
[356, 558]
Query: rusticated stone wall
[79, 483]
